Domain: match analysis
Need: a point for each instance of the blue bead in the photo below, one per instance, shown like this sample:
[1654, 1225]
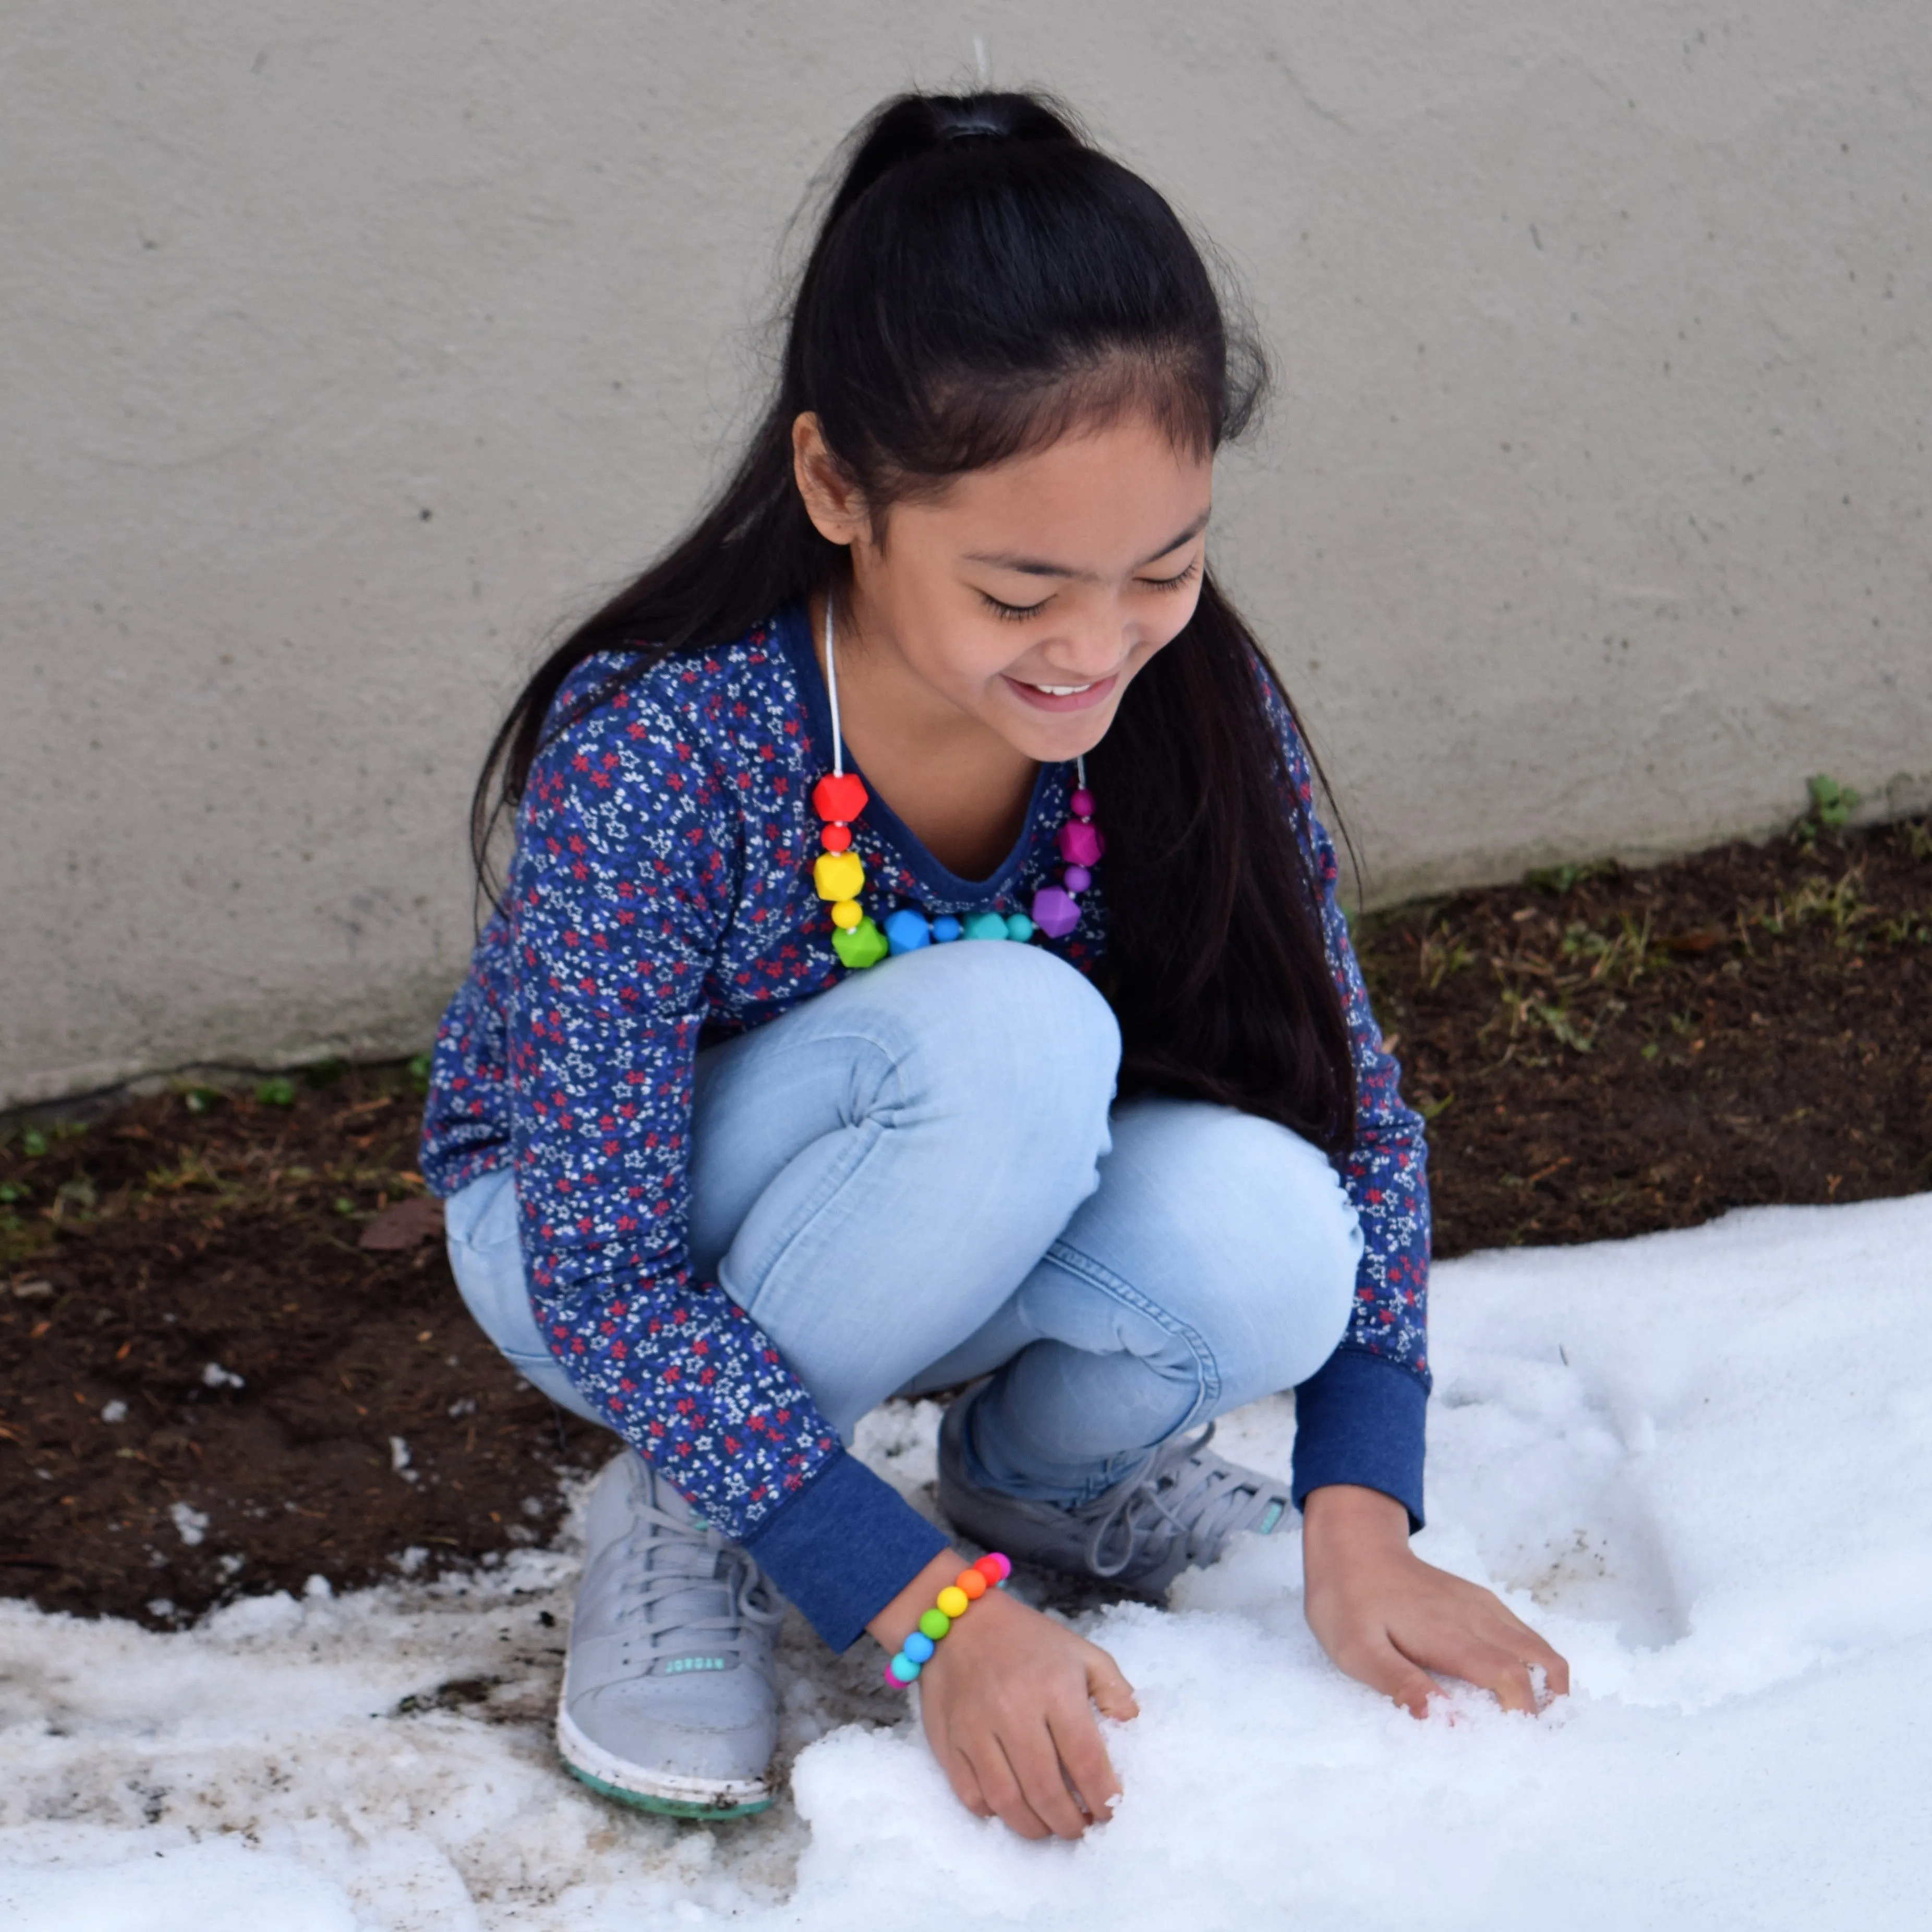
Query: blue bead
[945, 928]
[1019, 926]
[906, 931]
[904, 1668]
[919, 1646]
[985, 925]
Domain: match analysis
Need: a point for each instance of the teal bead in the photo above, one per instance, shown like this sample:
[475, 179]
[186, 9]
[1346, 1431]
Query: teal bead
[946, 928]
[1019, 926]
[906, 931]
[985, 925]
[905, 1668]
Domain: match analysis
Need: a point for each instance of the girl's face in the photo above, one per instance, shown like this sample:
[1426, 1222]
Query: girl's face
[1027, 596]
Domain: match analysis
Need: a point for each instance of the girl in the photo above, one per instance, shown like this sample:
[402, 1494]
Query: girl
[920, 967]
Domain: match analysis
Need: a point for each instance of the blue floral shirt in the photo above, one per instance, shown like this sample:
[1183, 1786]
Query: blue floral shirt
[660, 894]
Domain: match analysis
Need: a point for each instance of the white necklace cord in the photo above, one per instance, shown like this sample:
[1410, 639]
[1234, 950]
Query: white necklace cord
[832, 691]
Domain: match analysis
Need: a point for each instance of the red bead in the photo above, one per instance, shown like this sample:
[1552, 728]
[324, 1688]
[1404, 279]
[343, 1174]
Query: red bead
[1082, 803]
[836, 838]
[838, 796]
[995, 1567]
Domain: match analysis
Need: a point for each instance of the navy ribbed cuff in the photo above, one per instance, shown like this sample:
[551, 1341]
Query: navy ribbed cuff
[1360, 1419]
[844, 1547]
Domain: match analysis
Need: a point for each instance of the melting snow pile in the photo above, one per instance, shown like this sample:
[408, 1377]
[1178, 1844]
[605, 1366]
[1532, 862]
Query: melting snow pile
[1702, 1462]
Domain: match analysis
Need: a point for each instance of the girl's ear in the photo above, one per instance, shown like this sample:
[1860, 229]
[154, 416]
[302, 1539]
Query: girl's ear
[832, 499]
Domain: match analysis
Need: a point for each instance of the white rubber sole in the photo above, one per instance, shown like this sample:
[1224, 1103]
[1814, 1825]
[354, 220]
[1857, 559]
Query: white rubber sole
[666, 1791]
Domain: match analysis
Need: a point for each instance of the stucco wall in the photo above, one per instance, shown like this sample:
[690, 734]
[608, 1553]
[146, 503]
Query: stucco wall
[347, 347]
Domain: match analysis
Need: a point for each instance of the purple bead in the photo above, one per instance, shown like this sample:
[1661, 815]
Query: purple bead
[1081, 804]
[1076, 878]
[1081, 844]
[1055, 913]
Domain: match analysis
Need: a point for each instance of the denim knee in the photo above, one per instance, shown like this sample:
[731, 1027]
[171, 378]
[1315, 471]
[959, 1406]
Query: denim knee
[1005, 1040]
[1272, 1238]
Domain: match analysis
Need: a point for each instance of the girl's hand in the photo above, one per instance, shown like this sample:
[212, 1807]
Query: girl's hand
[1387, 1618]
[1005, 1701]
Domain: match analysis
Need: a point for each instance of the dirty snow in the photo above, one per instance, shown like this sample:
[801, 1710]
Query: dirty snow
[1700, 1461]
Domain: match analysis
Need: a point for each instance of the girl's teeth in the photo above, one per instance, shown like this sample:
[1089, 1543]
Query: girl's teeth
[1062, 690]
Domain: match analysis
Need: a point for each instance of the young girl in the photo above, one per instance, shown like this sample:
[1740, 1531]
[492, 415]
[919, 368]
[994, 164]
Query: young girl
[920, 968]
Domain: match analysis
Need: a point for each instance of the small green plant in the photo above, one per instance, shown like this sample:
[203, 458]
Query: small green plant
[1559, 1023]
[1619, 958]
[1918, 838]
[1840, 905]
[1832, 805]
[276, 1092]
[419, 1072]
[12, 1192]
[344, 1205]
[1440, 953]
[324, 1072]
[1432, 1111]
[203, 1099]
[1558, 880]
[33, 1143]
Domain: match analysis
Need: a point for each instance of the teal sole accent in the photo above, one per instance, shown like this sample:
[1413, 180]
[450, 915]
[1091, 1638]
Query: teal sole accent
[1275, 1514]
[667, 1807]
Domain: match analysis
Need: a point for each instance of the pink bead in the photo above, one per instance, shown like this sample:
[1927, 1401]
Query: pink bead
[1076, 878]
[1081, 804]
[1055, 913]
[1080, 844]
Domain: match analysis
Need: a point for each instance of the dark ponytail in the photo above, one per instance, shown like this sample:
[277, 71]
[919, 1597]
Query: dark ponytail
[983, 280]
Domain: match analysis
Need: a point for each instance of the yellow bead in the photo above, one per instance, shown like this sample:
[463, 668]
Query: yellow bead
[838, 875]
[847, 913]
[952, 1600]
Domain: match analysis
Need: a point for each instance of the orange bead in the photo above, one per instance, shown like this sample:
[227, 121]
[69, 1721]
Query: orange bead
[973, 1583]
[836, 838]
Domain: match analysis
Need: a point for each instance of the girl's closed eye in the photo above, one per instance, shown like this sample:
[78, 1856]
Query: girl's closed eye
[1018, 613]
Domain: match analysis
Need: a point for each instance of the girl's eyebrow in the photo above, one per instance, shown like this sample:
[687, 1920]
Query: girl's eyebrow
[1033, 566]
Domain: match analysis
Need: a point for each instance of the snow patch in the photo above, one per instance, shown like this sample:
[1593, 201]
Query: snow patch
[1694, 1461]
[190, 1524]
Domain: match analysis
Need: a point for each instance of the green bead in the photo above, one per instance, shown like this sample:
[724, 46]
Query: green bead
[935, 1624]
[1019, 926]
[985, 925]
[865, 945]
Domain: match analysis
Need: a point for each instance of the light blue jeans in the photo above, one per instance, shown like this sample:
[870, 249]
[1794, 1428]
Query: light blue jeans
[920, 1177]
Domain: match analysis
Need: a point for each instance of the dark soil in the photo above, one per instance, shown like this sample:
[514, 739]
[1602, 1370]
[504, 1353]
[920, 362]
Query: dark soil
[1601, 1054]
[1605, 1052]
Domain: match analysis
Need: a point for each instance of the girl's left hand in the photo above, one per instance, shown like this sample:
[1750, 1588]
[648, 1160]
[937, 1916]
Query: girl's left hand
[1388, 1618]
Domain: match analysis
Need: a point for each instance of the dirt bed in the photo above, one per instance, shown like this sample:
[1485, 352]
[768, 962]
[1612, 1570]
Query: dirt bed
[210, 1385]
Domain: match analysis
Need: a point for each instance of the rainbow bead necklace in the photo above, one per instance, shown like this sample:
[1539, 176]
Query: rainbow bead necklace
[839, 874]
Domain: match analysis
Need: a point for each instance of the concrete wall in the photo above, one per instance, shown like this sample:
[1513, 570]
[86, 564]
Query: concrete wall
[348, 347]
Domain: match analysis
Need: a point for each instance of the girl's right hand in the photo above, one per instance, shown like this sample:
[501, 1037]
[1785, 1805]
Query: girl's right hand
[1009, 1699]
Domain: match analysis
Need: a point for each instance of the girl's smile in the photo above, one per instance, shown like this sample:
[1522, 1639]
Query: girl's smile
[1065, 697]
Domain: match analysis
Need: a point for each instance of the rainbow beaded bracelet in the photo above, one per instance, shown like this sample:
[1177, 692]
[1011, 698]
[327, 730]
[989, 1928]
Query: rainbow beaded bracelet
[990, 1573]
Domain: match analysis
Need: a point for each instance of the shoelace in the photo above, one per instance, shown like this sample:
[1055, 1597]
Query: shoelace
[727, 1577]
[1206, 1511]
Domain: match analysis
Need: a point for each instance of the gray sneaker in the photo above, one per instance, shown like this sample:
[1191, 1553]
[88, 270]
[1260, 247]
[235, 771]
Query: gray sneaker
[1175, 1511]
[670, 1701]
